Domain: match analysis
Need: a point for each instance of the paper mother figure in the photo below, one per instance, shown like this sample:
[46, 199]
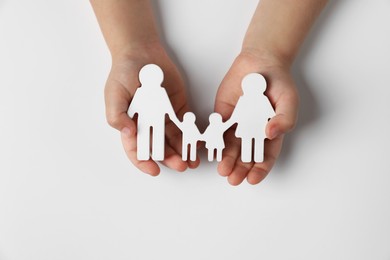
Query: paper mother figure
[252, 113]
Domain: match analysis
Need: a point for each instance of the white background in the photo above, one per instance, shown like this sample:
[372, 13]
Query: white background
[67, 190]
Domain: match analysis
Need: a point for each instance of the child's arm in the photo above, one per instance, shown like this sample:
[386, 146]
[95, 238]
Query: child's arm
[126, 25]
[273, 38]
[129, 29]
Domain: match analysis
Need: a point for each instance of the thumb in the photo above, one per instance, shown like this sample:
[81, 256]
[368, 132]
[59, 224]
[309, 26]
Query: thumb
[280, 124]
[122, 121]
[117, 100]
[226, 99]
[286, 109]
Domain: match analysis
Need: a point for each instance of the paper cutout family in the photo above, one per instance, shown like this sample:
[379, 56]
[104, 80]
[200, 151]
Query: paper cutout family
[152, 104]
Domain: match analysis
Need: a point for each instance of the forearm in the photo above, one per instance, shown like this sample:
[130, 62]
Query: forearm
[278, 28]
[126, 24]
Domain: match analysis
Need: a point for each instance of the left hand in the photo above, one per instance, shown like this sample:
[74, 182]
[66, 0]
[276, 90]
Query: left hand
[283, 96]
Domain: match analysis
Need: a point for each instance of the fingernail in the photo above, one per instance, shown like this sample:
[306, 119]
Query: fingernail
[126, 131]
[274, 133]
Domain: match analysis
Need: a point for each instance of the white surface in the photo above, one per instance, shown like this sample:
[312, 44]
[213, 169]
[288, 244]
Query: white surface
[67, 190]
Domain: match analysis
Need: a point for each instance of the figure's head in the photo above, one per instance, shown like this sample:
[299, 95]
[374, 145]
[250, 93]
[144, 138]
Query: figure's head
[189, 117]
[253, 84]
[151, 75]
[215, 118]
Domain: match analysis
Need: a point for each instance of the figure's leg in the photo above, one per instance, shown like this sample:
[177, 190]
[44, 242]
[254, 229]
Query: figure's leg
[219, 155]
[193, 151]
[211, 155]
[184, 151]
[259, 150]
[143, 144]
[158, 142]
[246, 150]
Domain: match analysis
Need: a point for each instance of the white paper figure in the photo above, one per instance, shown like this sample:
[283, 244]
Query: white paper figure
[151, 103]
[191, 136]
[252, 112]
[214, 136]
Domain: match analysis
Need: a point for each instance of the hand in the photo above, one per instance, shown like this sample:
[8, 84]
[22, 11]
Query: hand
[283, 95]
[120, 88]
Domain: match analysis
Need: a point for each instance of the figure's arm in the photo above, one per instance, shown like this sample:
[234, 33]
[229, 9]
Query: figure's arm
[233, 118]
[231, 121]
[178, 124]
[205, 134]
[133, 105]
[169, 109]
[271, 112]
[175, 120]
[228, 124]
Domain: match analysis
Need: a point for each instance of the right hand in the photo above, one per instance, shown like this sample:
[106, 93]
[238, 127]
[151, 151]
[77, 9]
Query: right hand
[120, 88]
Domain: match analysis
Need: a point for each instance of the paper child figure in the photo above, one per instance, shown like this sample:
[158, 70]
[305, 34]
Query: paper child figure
[151, 103]
[214, 136]
[252, 112]
[191, 136]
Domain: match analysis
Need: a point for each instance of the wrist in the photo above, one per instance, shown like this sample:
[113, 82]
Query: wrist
[267, 56]
[132, 50]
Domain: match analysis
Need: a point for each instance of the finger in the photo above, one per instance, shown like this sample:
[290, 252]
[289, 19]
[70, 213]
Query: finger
[223, 108]
[228, 94]
[179, 103]
[174, 141]
[259, 171]
[173, 160]
[286, 109]
[239, 172]
[117, 100]
[225, 105]
[230, 154]
[173, 135]
[194, 164]
[129, 142]
[256, 175]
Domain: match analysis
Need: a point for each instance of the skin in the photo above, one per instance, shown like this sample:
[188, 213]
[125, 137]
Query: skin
[272, 40]
[131, 48]
[271, 43]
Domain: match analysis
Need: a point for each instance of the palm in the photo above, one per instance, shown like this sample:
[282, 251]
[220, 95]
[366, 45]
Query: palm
[120, 88]
[283, 96]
